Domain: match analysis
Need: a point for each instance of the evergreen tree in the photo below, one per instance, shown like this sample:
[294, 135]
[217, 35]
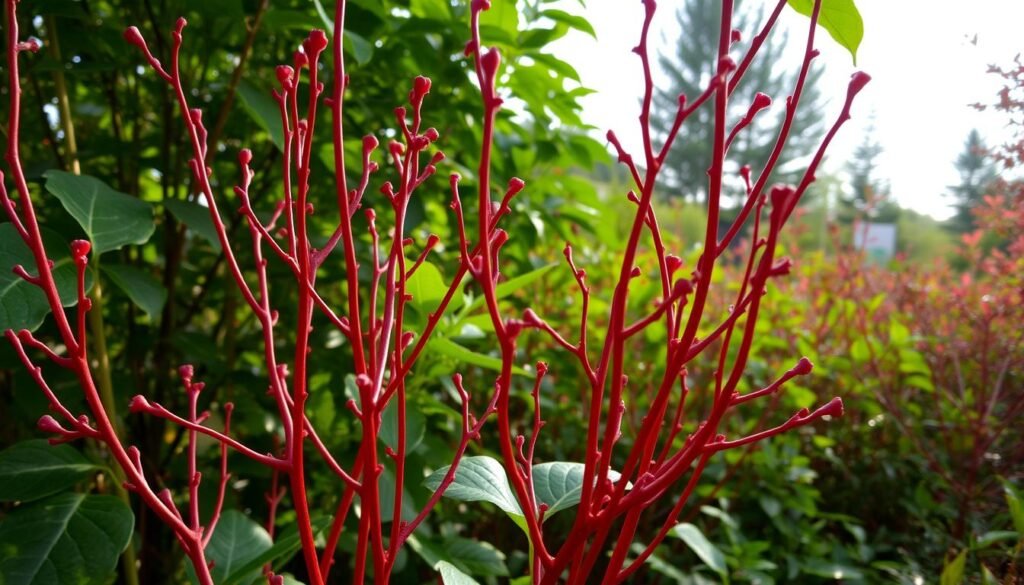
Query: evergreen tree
[868, 196]
[976, 176]
[692, 65]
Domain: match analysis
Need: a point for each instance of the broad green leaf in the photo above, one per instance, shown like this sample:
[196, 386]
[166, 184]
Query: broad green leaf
[503, 16]
[478, 479]
[109, 218]
[196, 217]
[472, 557]
[574, 21]
[451, 575]
[427, 287]
[987, 578]
[699, 544]
[236, 541]
[476, 557]
[23, 305]
[263, 110]
[288, 543]
[32, 470]
[559, 484]
[145, 291]
[415, 426]
[840, 18]
[68, 538]
[953, 572]
[449, 348]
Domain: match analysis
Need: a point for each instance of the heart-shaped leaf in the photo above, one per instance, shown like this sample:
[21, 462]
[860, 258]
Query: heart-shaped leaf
[32, 470]
[68, 538]
[109, 218]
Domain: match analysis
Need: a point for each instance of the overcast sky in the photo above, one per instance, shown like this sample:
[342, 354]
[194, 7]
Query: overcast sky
[922, 55]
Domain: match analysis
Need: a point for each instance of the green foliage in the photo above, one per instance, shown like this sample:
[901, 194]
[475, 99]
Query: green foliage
[109, 219]
[66, 538]
[32, 470]
[23, 305]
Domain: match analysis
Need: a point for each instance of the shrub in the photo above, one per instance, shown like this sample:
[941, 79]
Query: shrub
[641, 444]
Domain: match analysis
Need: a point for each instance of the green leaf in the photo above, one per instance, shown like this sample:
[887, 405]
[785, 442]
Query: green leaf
[953, 572]
[477, 558]
[32, 470]
[559, 484]
[859, 351]
[1015, 503]
[699, 544]
[196, 217]
[23, 305]
[415, 426]
[387, 498]
[451, 575]
[478, 479]
[68, 538]
[427, 288]
[109, 218]
[146, 292]
[263, 110]
[898, 333]
[430, 9]
[287, 544]
[574, 21]
[512, 285]
[236, 541]
[356, 45]
[472, 557]
[359, 47]
[840, 18]
[449, 348]
[993, 536]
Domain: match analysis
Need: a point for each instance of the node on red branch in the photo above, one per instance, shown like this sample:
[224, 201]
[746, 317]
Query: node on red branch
[384, 351]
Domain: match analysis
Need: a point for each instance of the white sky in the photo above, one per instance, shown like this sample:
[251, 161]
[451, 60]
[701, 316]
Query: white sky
[925, 74]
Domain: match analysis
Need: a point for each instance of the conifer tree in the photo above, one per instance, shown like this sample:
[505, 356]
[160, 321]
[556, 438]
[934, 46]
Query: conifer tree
[976, 176]
[689, 67]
